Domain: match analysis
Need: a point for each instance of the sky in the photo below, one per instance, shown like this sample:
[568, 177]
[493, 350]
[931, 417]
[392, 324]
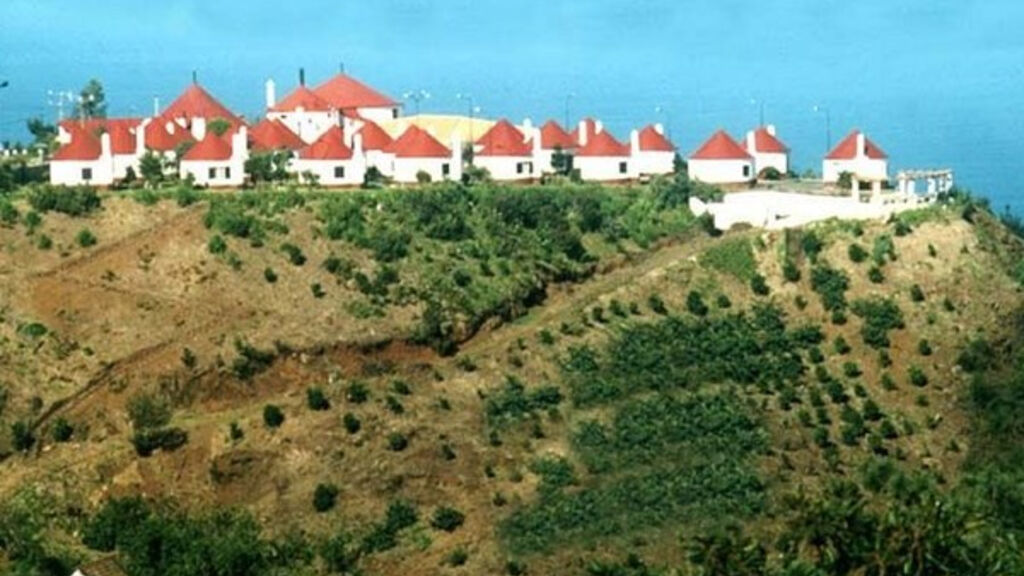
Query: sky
[936, 83]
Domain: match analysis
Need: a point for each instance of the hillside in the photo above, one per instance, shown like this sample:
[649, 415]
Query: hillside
[492, 380]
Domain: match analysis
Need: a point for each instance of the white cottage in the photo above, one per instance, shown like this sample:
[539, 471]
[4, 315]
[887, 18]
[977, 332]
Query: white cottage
[652, 151]
[508, 154]
[217, 161]
[859, 156]
[352, 98]
[332, 161]
[98, 151]
[768, 151]
[417, 151]
[599, 156]
[554, 138]
[303, 111]
[721, 160]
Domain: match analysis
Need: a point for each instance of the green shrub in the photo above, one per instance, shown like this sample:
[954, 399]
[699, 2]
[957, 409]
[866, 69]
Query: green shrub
[857, 253]
[924, 348]
[695, 304]
[77, 201]
[734, 257]
[759, 285]
[887, 381]
[316, 399]
[916, 293]
[397, 441]
[513, 400]
[357, 393]
[273, 416]
[831, 285]
[840, 346]
[325, 496]
[148, 411]
[62, 430]
[168, 439]
[447, 519]
[851, 369]
[875, 275]
[880, 316]
[790, 271]
[85, 238]
[44, 242]
[317, 290]
[269, 275]
[656, 304]
[917, 377]
[22, 437]
[977, 356]
[250, 360]
[811, 244]
[723, 302]
[351, 423]
[216, 245]
[294, 253]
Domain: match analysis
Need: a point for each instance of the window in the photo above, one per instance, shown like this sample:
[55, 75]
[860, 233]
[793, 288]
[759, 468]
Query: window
[445, 169]
[86, 174]
[339, 171]
[746, 170]
[394, 112]
[622, 167]
[227, 173]
[519, 167]
[212, 173]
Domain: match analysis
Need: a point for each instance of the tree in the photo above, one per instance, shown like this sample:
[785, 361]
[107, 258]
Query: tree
[561, 162]
[219, 126]
[92, 101]
[151, 167]
[42, 132]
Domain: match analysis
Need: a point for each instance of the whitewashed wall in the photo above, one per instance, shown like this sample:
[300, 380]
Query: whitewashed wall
[69, 172]
[505, 167]
[405, 169]
[777, 160]
[605, 168]
[355, 170]
[863, 167]
[721, 171]
[306, 125]
[379, 115]
[654, 162]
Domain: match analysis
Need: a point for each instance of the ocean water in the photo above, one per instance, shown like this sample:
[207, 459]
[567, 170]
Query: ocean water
[935, 84]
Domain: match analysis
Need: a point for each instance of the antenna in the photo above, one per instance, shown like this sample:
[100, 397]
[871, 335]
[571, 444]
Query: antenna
[341, 67]
[156, 106]
[195, 77]
[302, 76]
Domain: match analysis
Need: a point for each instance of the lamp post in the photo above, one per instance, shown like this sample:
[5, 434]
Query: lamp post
[760, 115]
[3, 84]
[472, 108]
[568, 98]
[828, 125]
[668, 119]
[417, 96]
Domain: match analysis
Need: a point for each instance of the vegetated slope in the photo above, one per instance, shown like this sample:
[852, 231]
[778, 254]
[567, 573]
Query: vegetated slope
[638, 393]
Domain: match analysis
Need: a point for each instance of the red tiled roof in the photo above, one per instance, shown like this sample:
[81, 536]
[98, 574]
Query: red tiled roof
[304, 98]
[84, 145]
[653, 141]
[122, 139]
[121, 130]
[374, 137]
[416, 142]
[330, 146]
[212, 147]
[196, 102]
[764, 141]
[603, 144]
[590, 124]
[847, 149]
[270, 135]
[720, 146]
[552, 135]
[158, 138]
[504, 139]
[344, 91]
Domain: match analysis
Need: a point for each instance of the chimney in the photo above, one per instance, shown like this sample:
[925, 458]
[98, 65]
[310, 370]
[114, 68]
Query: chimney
[140, 136]
[598, 127]
[195, 77]
[534, 135]
[302, 76]
[770, 129]
[634, 143]
[271, 92]
[582, 133]
[198, 128]
[751, 142]
[527, 126]
[860, 145]
[240, 143]
[659, 128]
[357, 146]
[105, 151]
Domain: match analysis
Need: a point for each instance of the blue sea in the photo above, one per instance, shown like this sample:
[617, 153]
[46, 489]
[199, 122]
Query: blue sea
[935, 84]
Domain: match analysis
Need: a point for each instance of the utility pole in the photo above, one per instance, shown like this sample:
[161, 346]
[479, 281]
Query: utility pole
[472, 108]
[828, 126]
[568, 98]
[3, 84]
[416, 96]
[668, 120]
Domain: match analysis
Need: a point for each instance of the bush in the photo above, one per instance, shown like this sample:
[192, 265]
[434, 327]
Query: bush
[656, 304]
[857, 253]
[840, 346]
[879, 315]
[977, 356]
[917, 377]
[924, 348]
[831, 285]
[273, 416]
[351, 423]
[357, 393]
[325, 496]
[62, 430]
[447, 519]
[790, 271]
[916, 293]
[77, 201]
[811, 244]
[316, 400]
[216, 245]
[148, 411]
[397, 442]
[317, 290]
[294, 253]
[250, 360]
[851, 369]
[269, 275]
[22, 436]
[148, 441]
[758, 285]
[875, 275]
[85, 238]
[695, 304]
[734, 257]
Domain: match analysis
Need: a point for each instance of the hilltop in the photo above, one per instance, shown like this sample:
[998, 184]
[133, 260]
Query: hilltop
[494, 379]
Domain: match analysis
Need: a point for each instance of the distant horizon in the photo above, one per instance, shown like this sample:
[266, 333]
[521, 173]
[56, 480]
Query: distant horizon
[931, 82]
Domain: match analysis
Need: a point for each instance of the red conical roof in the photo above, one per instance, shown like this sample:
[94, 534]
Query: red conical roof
[720, 146]
[196, 102]
[304, 98]
[847, 149]
[344, 91]
[418, 143]
[603, 144]
[270, 135]
[84, 145]
[330, 146]
[653, 141]
[212, 147]
[374, 137]
[765, 141]
[504, 139]
[158, 138]
[552, 135]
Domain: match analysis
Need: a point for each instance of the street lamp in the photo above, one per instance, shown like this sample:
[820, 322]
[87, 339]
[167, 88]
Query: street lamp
[3, 84]
[828, 125]
[472, 108]
[760, 104]
[568, 97]
[668, 119]
[417, 96]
